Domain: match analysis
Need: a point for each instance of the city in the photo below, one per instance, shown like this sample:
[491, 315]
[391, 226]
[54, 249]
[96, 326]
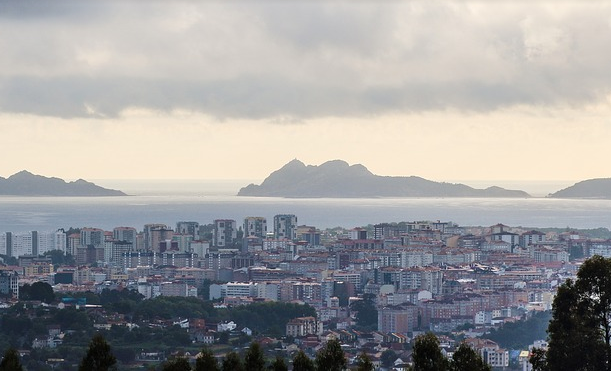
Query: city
[374, 288]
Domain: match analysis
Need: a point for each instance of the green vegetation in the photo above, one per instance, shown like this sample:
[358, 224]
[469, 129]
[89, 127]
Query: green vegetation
[427, 356]
[580, 329]
[331, 357]
[520, 334]
[148, 331]
[10, 361]
[301, 362]
[367, 314]
[364, 363]
[98, 357]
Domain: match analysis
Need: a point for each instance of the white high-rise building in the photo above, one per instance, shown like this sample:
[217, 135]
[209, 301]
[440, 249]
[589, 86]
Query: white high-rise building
[48, 241]
[225, 232]
[285, 226]
[22, 244]
[255, 226]
[5, 242]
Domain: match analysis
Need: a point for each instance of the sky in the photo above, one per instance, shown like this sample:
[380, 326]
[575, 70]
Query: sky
[469, 90]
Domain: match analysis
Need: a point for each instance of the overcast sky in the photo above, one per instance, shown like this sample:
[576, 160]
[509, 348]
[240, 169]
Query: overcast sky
[516, 90]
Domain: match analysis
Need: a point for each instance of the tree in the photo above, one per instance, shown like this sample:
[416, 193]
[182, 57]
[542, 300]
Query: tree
[254, 359]
[232, 362]
[427, 354]
[594, 288]
[42, 291]
[366, 312]
[575, 340]
[177, 364]
[10, 361]
[301, 362]
[388, 357]
[98, 357]
[331, 357]
[363, 363]
[537, 360]
[278, 365]
[580, 329]
[467, 359]
[206, 361]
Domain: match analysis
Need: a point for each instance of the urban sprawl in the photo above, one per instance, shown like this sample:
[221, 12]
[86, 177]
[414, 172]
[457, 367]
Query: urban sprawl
[425, 276]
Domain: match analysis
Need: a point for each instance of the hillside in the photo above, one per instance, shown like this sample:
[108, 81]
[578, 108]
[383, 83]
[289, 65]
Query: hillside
[25, 183]
[339, 179]
[592, 188]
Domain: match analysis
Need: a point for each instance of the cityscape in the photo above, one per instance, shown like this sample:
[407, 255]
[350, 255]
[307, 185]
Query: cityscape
[305, 185]
[374, 288]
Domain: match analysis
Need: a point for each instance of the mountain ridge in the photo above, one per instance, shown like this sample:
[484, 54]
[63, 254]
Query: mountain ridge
[25, 183]
[597, 188]
[338, 179]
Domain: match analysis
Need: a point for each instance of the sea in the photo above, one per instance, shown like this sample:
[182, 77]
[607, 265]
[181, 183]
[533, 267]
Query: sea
[203, 201]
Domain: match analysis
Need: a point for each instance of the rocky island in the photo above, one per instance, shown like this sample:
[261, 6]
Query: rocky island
[339, 179]
[25, 183]
[591, 188]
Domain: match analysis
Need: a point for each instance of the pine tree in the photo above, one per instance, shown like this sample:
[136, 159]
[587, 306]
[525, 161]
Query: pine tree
[254, 359]
[364, 363]
[232, 362]
[427, 354]
[10, 361]
[177, 364]
[206, 361]
[301, 362]
[331, 357]
[278, 365]
[467, 359]
[98, 357]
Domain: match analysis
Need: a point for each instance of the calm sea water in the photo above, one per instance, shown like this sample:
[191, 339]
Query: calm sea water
[18, 214]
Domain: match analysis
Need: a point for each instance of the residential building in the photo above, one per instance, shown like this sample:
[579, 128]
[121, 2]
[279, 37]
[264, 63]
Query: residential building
[255, 226]
[224, 233]
[285, 226]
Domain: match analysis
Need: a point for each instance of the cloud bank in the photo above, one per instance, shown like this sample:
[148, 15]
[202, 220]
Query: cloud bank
[300, 60]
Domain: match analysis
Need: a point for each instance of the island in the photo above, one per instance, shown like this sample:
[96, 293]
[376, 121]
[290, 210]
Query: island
[25, 183]
[591, 188]
[338, 179]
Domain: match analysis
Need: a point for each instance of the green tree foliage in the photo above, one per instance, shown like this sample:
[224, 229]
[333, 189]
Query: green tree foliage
[10, 361]
[427, 354]
[99, 356]
[467, 359]
[367, 314]
[254, 359]
[206, 361]
[520, 334]
[538, 360]
[388, 357]
[59, 258]
[278, 365]
[580, 329]
[268, 317]
[177, 364]
[594, 288]
[232, 362]
[363, 363]
[301, 362]
[331, 357]
[41, 291]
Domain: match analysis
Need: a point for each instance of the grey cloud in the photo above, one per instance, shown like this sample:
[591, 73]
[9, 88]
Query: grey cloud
[261, 98]
[289, 61]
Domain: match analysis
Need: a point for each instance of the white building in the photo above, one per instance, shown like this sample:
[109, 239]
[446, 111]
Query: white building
[255, 226]
[285, 226]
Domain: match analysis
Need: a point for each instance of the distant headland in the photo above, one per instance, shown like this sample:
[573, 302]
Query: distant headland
[338, 179]
[591, 188]
[25, 183]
